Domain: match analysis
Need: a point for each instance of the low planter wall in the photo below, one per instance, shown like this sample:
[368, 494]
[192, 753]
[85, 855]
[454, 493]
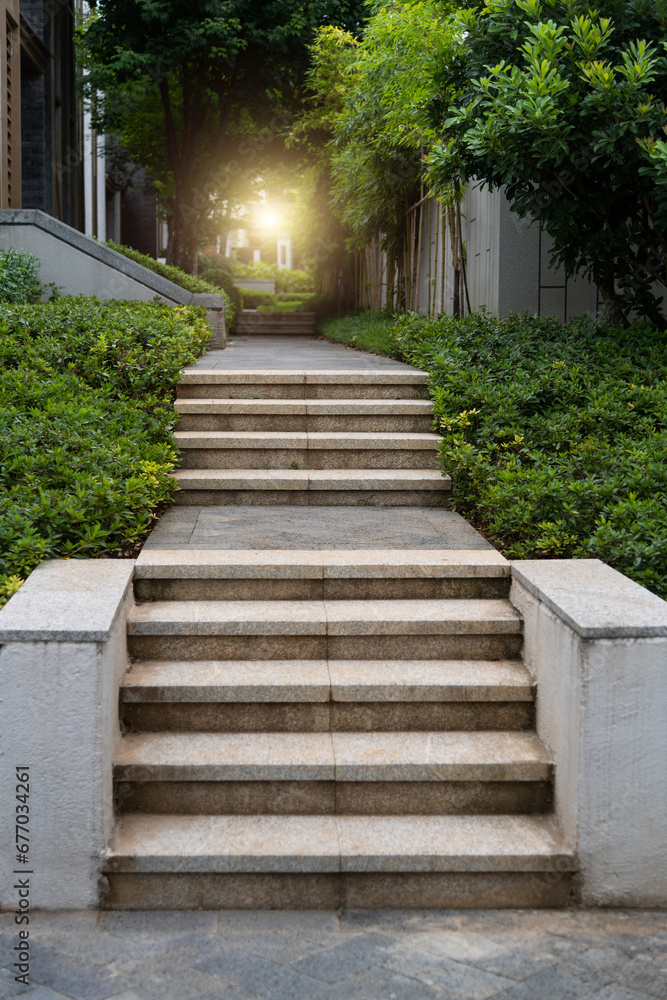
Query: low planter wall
[62, 658]
[79, 265]
[596, 644]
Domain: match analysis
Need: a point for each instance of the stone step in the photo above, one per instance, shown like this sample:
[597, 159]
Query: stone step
[309, 487]
[321, 773]
[284, 324]
[347, 574]
[325, 862]
[317, 415]
[391, 383]
[321, 696]
[306, 450]
[349, 630]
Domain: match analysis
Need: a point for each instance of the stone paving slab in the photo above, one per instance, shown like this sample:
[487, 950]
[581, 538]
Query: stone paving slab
[290, 353]
[387, 955]
[293, 527]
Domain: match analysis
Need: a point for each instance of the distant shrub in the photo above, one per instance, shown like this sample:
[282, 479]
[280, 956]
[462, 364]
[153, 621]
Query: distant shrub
[253, 298]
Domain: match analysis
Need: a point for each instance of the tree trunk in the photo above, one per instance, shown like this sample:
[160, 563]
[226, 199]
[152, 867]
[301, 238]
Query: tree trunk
[183, 226]
[604, 279]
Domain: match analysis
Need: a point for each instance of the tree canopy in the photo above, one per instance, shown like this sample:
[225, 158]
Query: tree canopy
[565, 108]
[186, 84]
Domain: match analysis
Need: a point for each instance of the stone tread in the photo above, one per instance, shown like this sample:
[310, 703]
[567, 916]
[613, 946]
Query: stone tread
[317, 564]
[310, 479]
[311, 407]
[427, 617]
[202, 376]
[149, 843]
[321, 440]
[301, 681]
[406, 756]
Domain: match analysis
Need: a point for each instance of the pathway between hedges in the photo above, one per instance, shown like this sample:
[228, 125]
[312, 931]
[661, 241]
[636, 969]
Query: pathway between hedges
[299, 527]
[327, 705]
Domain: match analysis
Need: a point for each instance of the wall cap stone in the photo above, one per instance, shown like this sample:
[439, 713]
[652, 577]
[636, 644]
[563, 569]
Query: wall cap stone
[68, 600]
[86, 244]
[596, 601]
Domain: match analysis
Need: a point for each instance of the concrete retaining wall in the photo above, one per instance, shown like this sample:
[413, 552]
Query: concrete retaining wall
[596, 644]
[62, 658]
[79, 265]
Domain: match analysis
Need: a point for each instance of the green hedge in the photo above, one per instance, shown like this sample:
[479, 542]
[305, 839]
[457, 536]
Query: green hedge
[191, 283]
[253, 299]
[556, 436]
[86, 417]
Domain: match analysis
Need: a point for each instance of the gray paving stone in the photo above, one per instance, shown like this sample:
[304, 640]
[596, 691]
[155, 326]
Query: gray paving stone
[560, 982]
[382, 984]
[9, 988]
[456, 978]
[43, 993]
[647, 977]
[294, 527]
[292, 352]
[265, 978]
[617, 993]
[347, 958]
[79, 980]
[187, 985]
[180, 953]
[527, 958]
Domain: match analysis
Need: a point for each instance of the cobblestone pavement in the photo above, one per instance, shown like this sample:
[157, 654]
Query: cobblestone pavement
[397, 955]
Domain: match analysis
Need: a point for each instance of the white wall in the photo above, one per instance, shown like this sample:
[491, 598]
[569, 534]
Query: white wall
[62, 659]
[596, 644]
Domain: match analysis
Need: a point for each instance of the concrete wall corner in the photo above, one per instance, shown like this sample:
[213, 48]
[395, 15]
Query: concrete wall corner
[62, 658]
[596, 643]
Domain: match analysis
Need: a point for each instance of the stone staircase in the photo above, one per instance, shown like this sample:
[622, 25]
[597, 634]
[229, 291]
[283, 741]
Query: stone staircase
[308, 438]
[317, 729]
[284, 324]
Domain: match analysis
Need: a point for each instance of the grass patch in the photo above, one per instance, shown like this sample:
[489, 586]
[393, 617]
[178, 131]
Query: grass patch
[556, 436]
[86, 420]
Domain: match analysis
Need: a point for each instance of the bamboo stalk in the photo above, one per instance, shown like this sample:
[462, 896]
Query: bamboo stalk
[435, 259]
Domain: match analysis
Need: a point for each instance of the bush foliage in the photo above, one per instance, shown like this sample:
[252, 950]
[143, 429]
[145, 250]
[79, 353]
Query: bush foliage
[555, 436]
[19, 277]
[86, 418]
[198, 286]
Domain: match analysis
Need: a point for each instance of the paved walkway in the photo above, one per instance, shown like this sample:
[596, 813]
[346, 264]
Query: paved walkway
[190, 955]
[438, 955]
[290, 353]
[232, 527]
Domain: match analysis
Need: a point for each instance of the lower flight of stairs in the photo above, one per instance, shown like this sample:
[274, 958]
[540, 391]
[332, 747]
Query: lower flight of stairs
[316, 729]
[316, 438]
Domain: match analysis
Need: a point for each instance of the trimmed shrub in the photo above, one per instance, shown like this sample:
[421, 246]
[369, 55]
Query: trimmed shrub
[555, 436]
[223, 280]
[198, 286]
[19, 278]
[252, 298]
[86, 420]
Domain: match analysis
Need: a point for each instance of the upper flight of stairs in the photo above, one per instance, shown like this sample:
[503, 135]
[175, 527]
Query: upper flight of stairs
[284, 324]
[308, 438]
